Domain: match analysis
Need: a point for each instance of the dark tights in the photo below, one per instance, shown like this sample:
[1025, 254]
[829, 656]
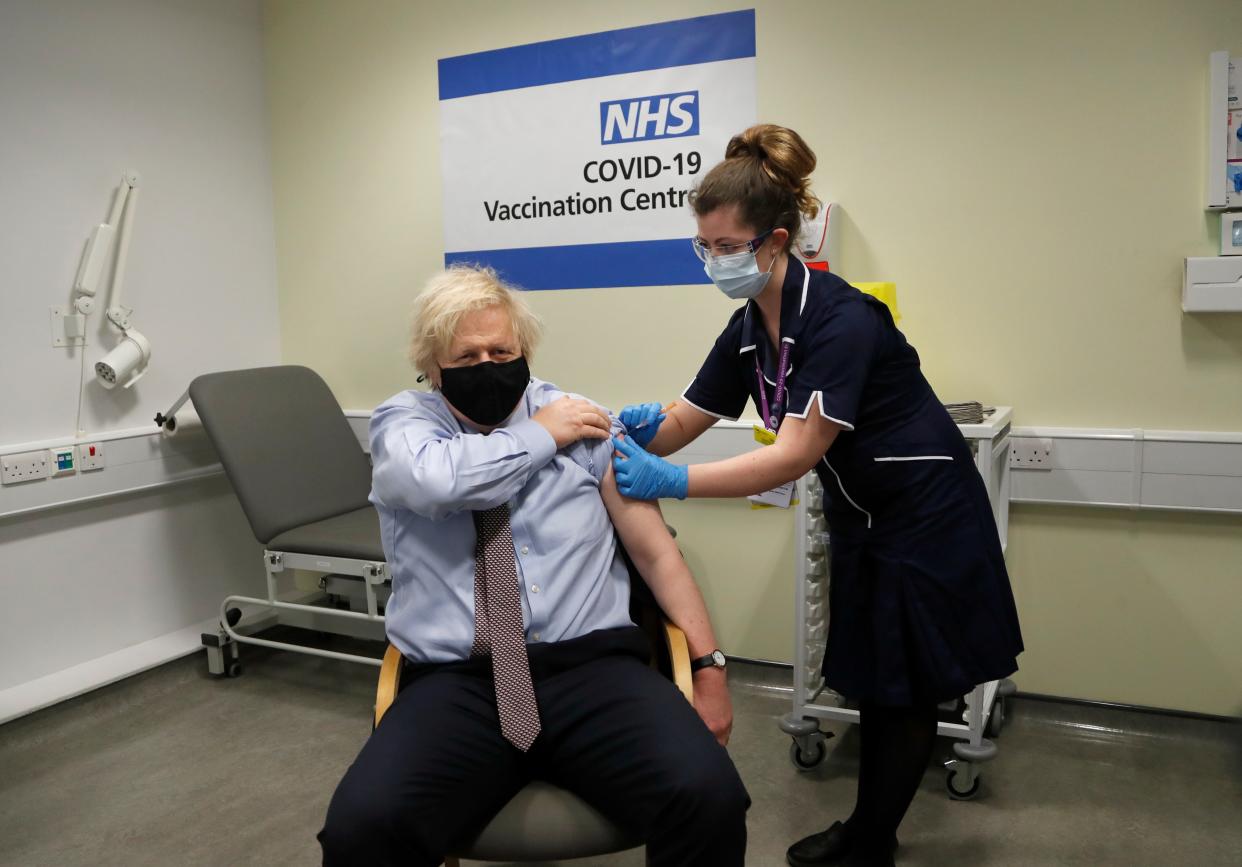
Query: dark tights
[896, 746]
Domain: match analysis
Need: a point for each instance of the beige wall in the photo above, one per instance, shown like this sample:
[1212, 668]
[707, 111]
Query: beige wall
[1029, 174]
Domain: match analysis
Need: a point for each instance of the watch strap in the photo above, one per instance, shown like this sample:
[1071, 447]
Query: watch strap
[708, 661]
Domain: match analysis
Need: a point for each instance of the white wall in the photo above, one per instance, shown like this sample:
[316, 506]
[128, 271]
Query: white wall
[174, 90]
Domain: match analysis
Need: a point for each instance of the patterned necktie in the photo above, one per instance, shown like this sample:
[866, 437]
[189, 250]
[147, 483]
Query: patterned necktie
[498, 626]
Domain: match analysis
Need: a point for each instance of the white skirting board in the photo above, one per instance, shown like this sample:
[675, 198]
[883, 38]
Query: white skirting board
[70, 682]
[1175, 470]
[35, 695]
[1167, 470]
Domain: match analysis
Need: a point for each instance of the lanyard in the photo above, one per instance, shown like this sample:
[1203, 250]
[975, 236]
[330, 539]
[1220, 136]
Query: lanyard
[769, 416]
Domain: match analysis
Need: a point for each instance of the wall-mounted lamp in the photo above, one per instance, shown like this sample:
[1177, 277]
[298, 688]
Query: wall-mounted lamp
[127, 362]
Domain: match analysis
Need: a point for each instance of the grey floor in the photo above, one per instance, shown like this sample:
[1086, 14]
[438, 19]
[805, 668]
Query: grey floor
[175, 768]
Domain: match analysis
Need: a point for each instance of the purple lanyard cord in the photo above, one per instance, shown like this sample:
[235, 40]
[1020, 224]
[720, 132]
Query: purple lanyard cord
[769, 417]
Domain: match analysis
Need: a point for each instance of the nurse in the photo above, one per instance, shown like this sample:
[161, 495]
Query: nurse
[920, 602]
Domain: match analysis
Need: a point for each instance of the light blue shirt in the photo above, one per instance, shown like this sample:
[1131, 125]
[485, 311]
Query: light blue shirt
[430, 473]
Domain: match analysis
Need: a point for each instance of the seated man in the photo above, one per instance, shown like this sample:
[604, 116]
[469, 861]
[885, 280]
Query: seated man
[510, 603]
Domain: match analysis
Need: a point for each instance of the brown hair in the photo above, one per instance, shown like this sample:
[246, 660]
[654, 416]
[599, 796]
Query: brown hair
[764, 173]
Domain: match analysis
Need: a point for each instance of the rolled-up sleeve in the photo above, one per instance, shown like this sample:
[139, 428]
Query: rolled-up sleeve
[422, 465]
[595, 455]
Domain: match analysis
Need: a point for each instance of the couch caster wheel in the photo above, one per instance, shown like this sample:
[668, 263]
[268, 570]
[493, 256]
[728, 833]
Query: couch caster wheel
[234, 669]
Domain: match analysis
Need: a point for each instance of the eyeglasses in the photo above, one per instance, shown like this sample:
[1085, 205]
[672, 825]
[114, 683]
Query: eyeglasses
[705, 251]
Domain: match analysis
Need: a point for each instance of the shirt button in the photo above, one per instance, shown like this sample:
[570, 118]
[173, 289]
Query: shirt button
[535, 635]
[525, 550]
[534, 588]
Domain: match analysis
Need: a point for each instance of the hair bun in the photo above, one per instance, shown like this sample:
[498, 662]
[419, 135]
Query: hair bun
[784, 157]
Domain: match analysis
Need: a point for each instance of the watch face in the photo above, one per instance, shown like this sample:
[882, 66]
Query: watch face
[718, 659]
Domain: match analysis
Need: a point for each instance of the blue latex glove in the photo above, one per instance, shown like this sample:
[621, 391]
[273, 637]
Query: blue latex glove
[642, 422]
[644, 476]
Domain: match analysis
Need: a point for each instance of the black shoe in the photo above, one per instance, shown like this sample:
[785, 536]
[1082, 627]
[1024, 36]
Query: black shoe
[826, 847]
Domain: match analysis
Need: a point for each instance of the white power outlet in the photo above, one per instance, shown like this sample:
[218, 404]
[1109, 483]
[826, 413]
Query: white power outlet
[24, 467]
[1030, 453]
[90, 456]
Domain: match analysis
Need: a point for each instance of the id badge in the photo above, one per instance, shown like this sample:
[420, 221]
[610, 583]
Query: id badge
[780, 497]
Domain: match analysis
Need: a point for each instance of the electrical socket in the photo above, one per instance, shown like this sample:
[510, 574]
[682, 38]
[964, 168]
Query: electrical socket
[90, 456]
[23, 467]
[1030, 453]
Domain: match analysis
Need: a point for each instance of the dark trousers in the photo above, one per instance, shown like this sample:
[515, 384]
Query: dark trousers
[614, 732]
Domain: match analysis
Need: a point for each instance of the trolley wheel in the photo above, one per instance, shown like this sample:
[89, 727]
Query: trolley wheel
[810, 759]
[961, 794]
[234, 669]
[996, 719]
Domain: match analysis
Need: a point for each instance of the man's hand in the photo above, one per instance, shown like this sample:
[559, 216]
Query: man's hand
[571, 419]
[711, 700]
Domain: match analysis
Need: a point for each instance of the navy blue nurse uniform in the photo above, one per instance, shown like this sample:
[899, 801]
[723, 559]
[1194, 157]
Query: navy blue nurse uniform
[920, 603]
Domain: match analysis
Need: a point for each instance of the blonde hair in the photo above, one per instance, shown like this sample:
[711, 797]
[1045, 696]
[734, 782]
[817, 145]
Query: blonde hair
[765, 173]
[450, 295]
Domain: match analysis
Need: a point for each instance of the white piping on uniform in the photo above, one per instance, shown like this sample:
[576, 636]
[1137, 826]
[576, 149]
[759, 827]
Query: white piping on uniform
[918, 458]
[844, 424]
[706, 411]
[773, 384]
[846, 493]
[806, 282]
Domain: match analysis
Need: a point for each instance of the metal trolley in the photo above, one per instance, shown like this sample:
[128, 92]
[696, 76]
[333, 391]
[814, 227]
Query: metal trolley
[982, 710]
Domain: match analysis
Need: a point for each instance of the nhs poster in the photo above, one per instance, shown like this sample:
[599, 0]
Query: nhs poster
[567, 164]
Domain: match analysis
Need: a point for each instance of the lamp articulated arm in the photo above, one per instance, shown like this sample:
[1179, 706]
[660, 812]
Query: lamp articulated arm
[90, 272]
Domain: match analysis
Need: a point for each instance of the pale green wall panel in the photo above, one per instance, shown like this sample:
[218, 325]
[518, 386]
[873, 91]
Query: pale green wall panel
[1030, 175]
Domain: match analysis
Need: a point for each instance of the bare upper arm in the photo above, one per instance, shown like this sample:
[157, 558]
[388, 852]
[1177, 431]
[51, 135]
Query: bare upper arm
[639, 524]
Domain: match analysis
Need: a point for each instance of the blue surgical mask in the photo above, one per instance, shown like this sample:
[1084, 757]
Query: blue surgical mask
[737, 275]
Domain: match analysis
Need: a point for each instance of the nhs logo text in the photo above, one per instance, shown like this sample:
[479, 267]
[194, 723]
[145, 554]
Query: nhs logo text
[668, 115]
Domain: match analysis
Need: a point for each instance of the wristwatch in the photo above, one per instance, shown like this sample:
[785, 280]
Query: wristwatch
[714, 659]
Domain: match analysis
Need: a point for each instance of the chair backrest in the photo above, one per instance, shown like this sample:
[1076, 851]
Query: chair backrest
[285, 444]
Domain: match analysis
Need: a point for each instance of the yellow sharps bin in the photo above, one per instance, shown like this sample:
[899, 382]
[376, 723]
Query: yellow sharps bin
[886, 292]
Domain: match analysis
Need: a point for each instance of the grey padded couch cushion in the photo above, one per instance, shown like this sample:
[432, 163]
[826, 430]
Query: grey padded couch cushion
[285, 444]
[355, 534]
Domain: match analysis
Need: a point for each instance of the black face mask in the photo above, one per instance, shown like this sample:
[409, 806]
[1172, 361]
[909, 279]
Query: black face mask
[487, 392]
